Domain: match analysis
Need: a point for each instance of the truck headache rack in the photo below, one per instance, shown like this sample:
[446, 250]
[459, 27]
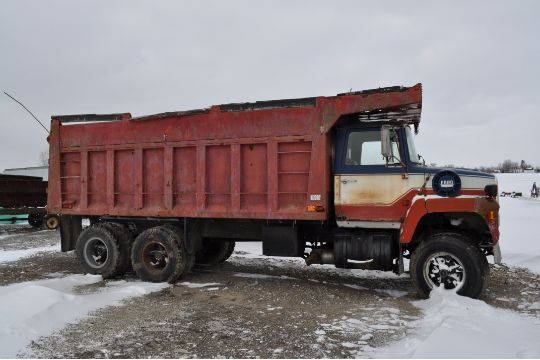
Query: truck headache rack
[403, 115]
[406, 114]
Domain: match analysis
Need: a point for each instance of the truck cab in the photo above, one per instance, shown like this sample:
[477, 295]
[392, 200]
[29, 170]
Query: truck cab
[388, 200]
[371, 190]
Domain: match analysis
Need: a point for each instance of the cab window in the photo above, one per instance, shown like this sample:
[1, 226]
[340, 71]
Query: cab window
[364, 148]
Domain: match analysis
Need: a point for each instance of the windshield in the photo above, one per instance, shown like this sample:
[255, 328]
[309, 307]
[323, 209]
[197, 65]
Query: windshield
[413, 155]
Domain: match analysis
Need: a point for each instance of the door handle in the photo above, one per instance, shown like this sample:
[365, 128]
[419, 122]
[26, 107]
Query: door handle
[348, 181]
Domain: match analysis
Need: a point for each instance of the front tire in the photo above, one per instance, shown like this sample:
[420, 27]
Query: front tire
[159, 255]
[451, 260]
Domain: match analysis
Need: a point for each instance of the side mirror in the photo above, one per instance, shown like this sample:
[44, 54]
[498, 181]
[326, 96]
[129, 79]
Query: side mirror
[386, 142]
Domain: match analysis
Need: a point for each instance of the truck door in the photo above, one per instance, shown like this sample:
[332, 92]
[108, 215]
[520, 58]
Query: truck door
[370, 193]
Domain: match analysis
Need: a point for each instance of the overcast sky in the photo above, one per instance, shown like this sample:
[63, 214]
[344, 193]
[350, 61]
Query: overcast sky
[479, 63]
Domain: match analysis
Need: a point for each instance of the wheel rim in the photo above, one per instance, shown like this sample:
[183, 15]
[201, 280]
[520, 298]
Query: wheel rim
[155, 256]
[52, 222]
[95, 253]
[445, 269]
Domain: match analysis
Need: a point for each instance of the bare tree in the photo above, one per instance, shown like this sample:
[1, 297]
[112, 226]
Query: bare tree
[44, 158]
[509, 166]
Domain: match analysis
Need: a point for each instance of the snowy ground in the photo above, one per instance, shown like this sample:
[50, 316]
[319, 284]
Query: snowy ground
[520, 221]
[268, 307]
[38, 308]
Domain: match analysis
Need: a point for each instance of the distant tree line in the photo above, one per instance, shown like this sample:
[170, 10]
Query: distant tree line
[507, 166]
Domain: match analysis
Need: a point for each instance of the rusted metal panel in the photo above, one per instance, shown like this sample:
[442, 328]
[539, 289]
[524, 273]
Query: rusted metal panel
[272, 177]
[266, 159]
[168, 164]
[200, 194]
[54, 198]
[138, 172]
[22, 191]
[185, 177]
[254, 188]
[487, 208]
[22, 210]
[83, 200]
[110, 179]
[235, 177]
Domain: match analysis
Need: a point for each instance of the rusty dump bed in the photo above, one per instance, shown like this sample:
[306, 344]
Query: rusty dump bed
[262, 160]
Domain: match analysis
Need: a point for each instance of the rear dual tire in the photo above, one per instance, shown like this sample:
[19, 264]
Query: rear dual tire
[98, 251]
[214, 251]
[159, 255]
[104, 249]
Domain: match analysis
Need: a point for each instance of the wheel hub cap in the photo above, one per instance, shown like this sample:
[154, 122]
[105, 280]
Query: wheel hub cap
[444, 269]
[95, 253]
[155, 256]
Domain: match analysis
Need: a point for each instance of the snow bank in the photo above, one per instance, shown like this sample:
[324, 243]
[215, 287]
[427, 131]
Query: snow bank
[262, 276]
[250, 249]
[193, 285]
[14, 255]
[37, 308]
[455, 326]
[520, 239]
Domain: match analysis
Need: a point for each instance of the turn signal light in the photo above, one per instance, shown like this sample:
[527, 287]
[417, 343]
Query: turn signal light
[315, 208]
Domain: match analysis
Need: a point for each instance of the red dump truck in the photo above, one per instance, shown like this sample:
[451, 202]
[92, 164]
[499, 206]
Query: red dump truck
[336, 180]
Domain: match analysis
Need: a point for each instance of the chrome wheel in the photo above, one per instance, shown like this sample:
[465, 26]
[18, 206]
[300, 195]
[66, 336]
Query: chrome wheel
[443, 268]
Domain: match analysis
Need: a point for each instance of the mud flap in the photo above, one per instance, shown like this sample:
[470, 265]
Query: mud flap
[401, 266]
[497, 256]
[70, 229]
[281, 241]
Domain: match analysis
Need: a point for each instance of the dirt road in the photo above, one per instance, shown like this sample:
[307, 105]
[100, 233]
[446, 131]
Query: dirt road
[250, 306]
